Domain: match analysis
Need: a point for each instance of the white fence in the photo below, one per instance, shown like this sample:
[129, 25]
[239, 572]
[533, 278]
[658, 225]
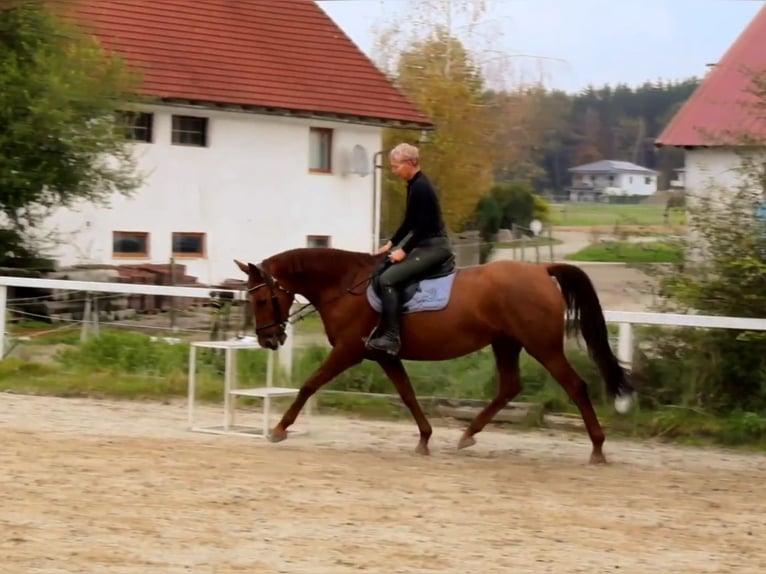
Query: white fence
[625, 319]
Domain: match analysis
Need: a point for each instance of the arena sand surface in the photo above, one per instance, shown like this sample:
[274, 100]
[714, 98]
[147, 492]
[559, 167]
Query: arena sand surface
[123, 488]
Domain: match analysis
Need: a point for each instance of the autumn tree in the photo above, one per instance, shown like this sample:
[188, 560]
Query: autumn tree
[438, 76]
[60, 139]
[429, 61]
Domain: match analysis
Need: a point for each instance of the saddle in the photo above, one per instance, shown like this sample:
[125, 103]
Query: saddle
[429, 292]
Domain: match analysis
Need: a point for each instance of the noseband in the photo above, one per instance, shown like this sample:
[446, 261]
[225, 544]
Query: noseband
[274, 286]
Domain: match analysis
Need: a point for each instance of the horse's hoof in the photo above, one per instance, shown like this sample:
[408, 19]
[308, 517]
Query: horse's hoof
[422, 448]
[277, 435]
[597, 458]
[465, 442]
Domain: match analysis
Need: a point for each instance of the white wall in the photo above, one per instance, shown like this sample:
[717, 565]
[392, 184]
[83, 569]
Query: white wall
[712, 168]
[709, 173]
[250, 191]
[637, 183]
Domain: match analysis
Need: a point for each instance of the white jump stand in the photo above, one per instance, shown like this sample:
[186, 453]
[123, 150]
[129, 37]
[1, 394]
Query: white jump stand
[231, 391]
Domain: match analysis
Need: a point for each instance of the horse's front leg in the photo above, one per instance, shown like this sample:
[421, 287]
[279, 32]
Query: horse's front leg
[337, 361]
[395, 371]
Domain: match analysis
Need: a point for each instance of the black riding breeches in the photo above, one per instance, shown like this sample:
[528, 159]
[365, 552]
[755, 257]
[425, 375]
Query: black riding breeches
[419, 262]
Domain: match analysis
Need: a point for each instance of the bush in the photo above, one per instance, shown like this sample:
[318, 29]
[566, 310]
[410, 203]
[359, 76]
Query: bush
[723, 274]
[123, 352]
[507, 204]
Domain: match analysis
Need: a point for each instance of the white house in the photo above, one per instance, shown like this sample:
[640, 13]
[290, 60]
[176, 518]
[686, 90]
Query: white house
[264, 124]
[711, 124]
[609, 177]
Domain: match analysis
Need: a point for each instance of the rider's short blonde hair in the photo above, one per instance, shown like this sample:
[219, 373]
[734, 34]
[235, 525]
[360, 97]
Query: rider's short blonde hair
[405, 152]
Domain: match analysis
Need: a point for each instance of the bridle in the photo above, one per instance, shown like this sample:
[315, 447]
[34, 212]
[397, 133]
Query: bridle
[275, 286]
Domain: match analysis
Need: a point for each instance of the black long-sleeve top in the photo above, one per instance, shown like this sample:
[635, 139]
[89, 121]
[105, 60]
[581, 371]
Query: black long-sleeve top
[423, 216]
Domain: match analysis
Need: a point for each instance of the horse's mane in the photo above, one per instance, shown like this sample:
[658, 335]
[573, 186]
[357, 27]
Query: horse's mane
[317, 262]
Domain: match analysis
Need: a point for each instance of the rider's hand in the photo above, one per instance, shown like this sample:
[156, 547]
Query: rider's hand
[397, 255]
[386, 247]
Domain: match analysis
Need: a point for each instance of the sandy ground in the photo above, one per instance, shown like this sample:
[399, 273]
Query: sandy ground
[124, 488]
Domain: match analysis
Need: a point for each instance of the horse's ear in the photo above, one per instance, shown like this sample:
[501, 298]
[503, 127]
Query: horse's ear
[243, 267]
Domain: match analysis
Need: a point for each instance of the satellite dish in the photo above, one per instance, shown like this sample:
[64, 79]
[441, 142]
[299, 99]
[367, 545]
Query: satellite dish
[360, 161]
[536, 226]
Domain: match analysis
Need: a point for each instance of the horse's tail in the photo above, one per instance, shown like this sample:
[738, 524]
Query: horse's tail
[584, 312]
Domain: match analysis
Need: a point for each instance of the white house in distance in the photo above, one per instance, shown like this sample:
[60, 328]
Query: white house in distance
[593, 181]
[261, 136]
[711, 123]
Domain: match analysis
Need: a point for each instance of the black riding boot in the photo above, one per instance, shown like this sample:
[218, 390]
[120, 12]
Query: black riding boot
[387, 339]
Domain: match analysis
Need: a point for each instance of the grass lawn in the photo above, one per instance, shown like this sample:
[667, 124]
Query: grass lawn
[629, 252]
[591, 214]
[528, 242]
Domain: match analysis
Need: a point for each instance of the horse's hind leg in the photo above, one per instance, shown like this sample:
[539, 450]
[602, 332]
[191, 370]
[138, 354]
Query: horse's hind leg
[558, 366]
[506, 353]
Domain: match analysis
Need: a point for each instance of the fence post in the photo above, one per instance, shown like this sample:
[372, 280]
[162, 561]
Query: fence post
[625, 344]
[285, 352]
[86, 318]
[173, 300]
[3, 303]
[550, 242]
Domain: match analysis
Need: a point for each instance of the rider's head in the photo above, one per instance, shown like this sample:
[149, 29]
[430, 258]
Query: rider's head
[405, 160]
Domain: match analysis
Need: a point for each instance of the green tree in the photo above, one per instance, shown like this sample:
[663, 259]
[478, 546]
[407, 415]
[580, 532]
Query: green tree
[508, 203]
[61, 139]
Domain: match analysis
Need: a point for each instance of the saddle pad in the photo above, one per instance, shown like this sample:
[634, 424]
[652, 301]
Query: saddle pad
[432, 295]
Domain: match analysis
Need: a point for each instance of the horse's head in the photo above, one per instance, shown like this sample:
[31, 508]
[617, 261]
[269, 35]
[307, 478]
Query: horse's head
[270, 302]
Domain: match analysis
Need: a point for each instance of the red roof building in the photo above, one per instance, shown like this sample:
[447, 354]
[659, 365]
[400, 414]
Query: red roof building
[269, 56]
[723, 108]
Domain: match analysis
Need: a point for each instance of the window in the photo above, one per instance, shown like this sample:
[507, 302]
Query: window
[648, 180]
[130, 244]
[318, 241]
[189, 130]
[188, 244]
[320, 150]
[138, 125]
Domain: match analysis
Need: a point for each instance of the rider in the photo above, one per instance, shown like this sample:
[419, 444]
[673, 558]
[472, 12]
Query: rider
[424, 244]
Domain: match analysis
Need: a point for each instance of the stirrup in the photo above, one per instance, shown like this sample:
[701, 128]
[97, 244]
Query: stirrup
[386, 343]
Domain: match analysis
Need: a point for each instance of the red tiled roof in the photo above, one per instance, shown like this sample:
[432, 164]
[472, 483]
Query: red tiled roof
[275, 54]
[722, 102]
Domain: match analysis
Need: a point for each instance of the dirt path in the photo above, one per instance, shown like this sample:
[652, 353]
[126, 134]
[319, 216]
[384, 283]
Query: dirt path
[123, 488]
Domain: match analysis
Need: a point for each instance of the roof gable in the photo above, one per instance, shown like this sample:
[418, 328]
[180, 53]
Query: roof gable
[722, 105]
[269, 55]
[610, 166]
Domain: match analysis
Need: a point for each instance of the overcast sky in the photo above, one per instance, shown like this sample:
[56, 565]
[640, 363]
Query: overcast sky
[584, 41]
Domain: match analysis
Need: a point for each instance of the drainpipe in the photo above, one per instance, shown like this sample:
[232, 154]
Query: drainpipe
[375, 217]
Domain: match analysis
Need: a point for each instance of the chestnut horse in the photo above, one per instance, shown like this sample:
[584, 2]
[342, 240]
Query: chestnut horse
[508, 305]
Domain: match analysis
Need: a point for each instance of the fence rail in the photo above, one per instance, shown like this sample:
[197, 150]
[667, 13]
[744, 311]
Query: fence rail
[625, 319]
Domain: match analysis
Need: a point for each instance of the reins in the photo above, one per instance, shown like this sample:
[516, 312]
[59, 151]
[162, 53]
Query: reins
[349, 291]
[289, 319]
